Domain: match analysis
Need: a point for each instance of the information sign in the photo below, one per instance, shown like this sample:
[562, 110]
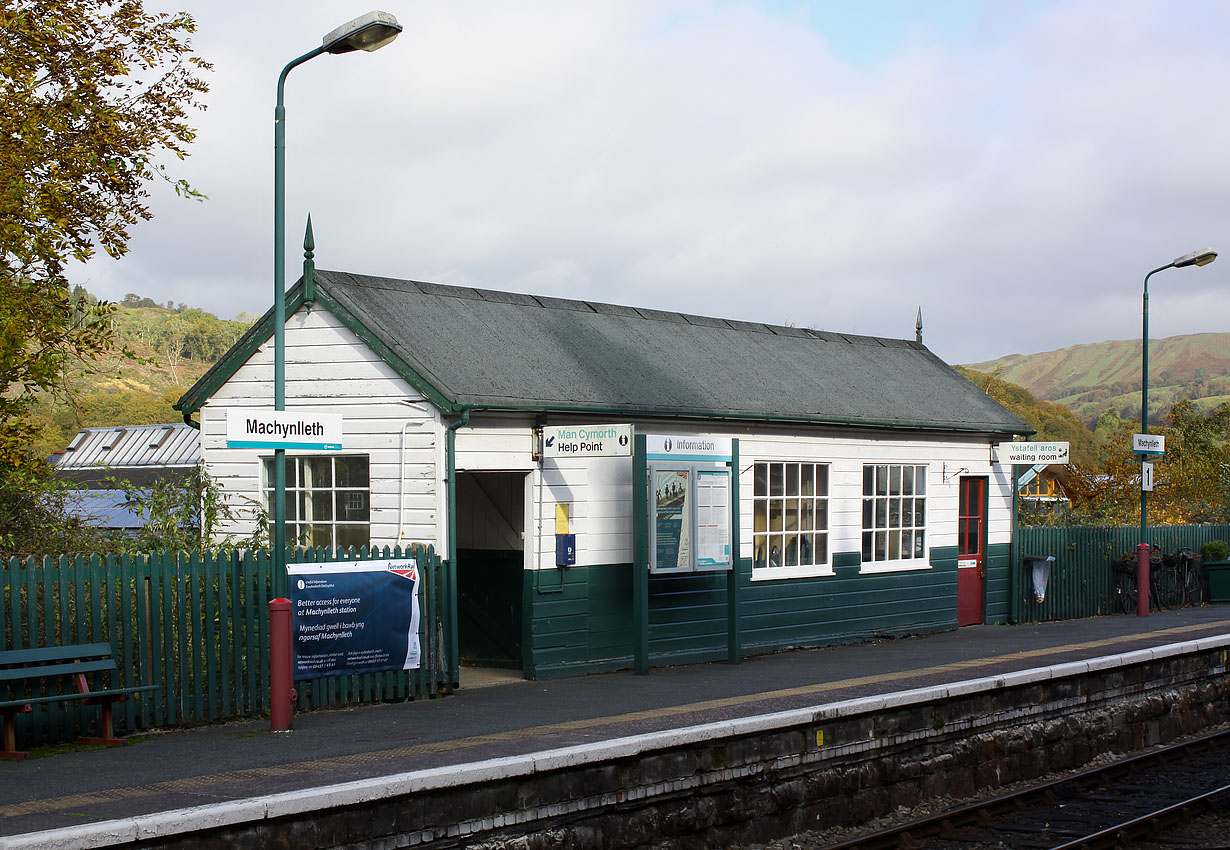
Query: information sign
[1030, 454]
[671, 446]
[258, 428]
[354, 617]
[712, 519]
[587, 441]
[672, 519]
[1148, 444]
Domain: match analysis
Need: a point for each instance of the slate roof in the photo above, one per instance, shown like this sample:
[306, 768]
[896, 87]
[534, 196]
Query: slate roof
[485, 349]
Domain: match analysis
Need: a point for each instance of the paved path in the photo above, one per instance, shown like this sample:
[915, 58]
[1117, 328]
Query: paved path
[236, 761]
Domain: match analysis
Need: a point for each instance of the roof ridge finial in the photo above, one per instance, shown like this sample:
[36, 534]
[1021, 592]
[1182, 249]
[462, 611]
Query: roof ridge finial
[309, 266]
[918, 326]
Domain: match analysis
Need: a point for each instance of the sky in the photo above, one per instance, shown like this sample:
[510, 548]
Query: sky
[1013, 168]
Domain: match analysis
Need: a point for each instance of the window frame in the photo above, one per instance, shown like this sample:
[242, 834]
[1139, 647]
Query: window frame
[295, 524]
[898, 564]
[811, 570]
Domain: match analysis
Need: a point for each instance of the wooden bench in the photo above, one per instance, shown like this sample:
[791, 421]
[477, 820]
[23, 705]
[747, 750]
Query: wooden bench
[22, 669]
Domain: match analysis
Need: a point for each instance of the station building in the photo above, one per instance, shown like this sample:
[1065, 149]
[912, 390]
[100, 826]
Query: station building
[782, 487]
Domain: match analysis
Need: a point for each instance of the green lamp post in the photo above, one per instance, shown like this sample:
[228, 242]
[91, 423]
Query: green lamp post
[1195, 258]
[367, 32]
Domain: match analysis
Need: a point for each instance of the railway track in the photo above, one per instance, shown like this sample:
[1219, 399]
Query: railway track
[1132, 800]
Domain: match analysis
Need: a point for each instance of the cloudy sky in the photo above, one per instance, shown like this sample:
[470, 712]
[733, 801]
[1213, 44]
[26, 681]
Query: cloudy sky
[1012, 167]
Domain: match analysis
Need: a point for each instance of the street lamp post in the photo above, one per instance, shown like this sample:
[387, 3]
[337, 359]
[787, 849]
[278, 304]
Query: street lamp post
[367, 32]
[1195, 258]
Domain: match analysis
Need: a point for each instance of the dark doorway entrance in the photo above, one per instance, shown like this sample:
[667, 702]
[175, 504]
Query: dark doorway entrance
[490, 566]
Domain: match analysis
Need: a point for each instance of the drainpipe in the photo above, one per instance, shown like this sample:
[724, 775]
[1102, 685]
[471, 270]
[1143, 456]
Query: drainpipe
[450, 454]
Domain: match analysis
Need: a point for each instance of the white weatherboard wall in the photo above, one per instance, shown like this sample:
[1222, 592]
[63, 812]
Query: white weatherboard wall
[330, 370]
[599, 490]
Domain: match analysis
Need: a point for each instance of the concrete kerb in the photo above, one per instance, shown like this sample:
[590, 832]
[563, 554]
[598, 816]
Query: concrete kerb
[178, 821]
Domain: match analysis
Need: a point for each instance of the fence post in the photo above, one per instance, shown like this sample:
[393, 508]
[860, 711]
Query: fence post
[281, 667]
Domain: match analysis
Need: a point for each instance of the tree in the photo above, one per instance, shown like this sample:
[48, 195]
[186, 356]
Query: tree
[91, 93]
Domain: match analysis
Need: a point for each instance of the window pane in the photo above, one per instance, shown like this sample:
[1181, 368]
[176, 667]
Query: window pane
[907, 481]
[806, 549]
[868, 519]
[792, 479]
[760, 516]
[792, 515]
[920, 480]
[868, 537]
[761, 553]
[317, 472]
[920, 512]
[881, 545]
[352, 535]
[775, 550]
[319, 535]
[822, 480]
[881, 513]
[821, 554]
[894, 481]
[806, 516]
[822, 515]
[352, 506]
[776, 474]
[807, 479]
[894, 545]
[316, 506]
[775, 515]
[762, 479]
[907, 513]
[267, 472]
[919, 549]
[894, 513]
[869, 477]
[351, 471]
[907, 543]
[881, 480]
[792, 550]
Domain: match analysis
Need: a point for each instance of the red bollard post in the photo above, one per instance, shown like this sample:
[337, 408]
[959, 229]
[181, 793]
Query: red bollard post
[1142, 580]
[281, 667]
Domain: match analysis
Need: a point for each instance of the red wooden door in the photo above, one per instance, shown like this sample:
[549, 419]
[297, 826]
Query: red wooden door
[970, 557]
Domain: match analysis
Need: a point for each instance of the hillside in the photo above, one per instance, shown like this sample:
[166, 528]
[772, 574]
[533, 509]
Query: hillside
[173, 346]
[1093, 378]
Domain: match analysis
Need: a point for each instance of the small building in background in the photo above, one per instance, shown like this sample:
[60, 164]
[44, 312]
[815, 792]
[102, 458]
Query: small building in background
[101, 462]
[1044, 489]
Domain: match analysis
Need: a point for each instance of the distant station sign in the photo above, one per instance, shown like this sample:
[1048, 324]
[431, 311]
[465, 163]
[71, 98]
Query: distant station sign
[587, 441]
[1148, 444]
[1031, 454]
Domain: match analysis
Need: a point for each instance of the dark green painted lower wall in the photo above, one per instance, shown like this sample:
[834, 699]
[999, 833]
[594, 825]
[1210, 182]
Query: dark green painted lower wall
[580, 619]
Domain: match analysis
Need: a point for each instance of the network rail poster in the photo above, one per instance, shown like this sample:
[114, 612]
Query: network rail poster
[354, 617]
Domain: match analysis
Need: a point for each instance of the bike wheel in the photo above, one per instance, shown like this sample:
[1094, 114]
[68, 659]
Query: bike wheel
[1125, 590]
[1167, 592]
[1193, 587]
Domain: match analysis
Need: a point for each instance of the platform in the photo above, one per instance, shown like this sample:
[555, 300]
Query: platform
[500, 718]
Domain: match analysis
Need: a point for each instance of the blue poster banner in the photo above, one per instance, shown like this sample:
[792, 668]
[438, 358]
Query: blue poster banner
[354, 617]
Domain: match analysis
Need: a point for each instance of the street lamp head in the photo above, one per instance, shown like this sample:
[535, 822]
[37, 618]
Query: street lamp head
[1196, 258]
[367, 32]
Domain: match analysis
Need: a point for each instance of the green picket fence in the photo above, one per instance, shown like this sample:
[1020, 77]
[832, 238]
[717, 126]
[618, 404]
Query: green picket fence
[196, 624]
[1081, 582]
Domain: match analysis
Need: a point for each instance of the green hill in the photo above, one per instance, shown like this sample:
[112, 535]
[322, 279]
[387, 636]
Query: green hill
[173, 346]
[1093, 378]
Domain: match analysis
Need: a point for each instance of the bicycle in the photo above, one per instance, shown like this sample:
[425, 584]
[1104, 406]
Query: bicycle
[1165, 590]
[1191, 582]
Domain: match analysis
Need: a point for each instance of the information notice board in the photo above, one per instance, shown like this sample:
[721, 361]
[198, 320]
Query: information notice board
[354, 617]
[689, 525]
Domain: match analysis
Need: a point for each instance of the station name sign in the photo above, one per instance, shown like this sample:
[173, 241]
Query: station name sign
[1148, 444]
[283, 429]
[1031, 454]
[587, 441]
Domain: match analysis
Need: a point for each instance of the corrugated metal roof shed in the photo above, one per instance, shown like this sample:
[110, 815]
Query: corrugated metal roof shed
[176, 446]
